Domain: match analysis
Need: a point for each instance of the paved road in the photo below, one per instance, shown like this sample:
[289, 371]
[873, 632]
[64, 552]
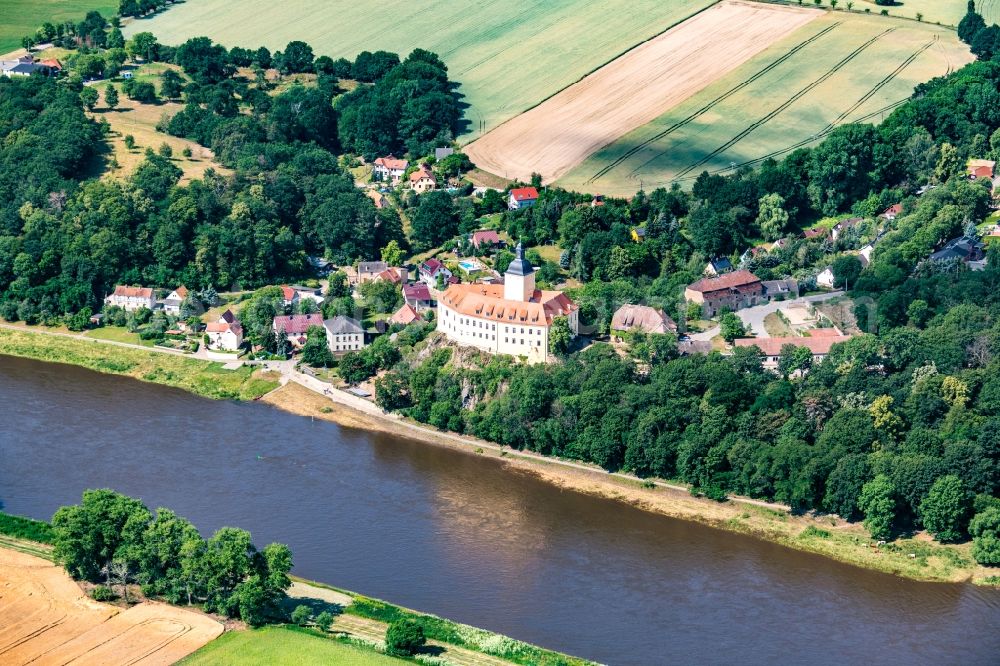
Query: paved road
[753, 318]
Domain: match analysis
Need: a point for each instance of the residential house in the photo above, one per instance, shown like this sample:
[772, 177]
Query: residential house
[441, 153]
[405, 315]
[963, 249]
[389, 169]
[718, 266]
[417, 295]
[226, 334]
[369, 270]
[172, 303]
[753, 253]
[522, 197]
[289, 296]
[892, 212]
[26, 65]
[826, 278]
[295, 327]
[844, 225]
[780, 289]
[430, 270]
[423, 180]
[597, 201]
[739, 289]
[638, 234]
[485, 239]
[131, 298]
[314, 294]
[344, 334]
[816, 233]
[980, 169]
[378, 198]
[513, 318]
[393, 274]
[630, 318]
[819, 342]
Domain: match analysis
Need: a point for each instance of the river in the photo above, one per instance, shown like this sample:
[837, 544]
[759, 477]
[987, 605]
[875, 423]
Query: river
[457, 535]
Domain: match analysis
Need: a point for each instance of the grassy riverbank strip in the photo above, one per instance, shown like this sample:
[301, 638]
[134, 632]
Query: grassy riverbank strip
[204, 378]
[917, 557]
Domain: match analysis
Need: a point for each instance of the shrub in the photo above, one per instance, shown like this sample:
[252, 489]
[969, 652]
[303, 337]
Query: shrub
[403, 638]
[324, 620]
[301, 615]
[103, 593]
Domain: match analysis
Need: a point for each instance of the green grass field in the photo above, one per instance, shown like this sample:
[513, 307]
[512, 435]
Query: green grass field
[281, 646]
[507, 56]
[839, 68]
[22, 17]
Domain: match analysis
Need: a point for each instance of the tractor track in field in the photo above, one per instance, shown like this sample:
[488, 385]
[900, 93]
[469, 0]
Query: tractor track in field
[710, 105]
[782, 107]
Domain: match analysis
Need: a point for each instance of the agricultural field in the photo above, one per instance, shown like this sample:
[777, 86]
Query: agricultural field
[839, 68]
[45, 618]
[944, 12]
[635, 89]
[508, 57]
[22, 17]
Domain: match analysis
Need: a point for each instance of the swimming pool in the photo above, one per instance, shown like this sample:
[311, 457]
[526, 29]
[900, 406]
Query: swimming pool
[470, 265]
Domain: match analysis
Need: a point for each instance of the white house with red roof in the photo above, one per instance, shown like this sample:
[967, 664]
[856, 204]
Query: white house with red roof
[417, 295]
[288, 295]
[295, 327]
[484, 238]
[430, 270]
[131, 298]
[522, 197]
[405, 315]
[892, 212]
[423, 180]
[226, 334]
[389, 169]
[172, 303]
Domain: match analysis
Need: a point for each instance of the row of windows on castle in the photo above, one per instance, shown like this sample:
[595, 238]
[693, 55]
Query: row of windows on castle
[488, 326]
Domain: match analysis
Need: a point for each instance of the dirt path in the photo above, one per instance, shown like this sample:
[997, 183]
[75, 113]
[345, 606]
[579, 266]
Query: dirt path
[46, 619]
[633, 90]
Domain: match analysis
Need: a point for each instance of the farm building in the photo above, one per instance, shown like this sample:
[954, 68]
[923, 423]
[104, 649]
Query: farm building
[740, 289]
[522, 197]
[26, 65]
[514, 318]
[631, 318]
[389, 169]
[131, 298]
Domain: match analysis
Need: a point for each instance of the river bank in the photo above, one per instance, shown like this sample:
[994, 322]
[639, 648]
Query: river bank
[918, 558]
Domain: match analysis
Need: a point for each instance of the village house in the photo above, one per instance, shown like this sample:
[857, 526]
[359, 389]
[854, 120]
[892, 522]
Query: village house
[344, 334]
[966, 250]
[816, 233]
[826, 278]
[226, 334]
[378, 199]
[314, 294]
[754, 252]
[631, 318]
[980, 169]
[407, 314]
[369, 270]
[423, 180]
[522, 197]
[430, 270]
[26, 65]
[514, 318]
[638, 234]
[131, 298]
[780, 289]
[441, 153]
[819, 342]
[393, 274]
[718, 266]
[172, 303]
[732, 291]
[597, 201]
[295, 327]
[892, 212]
[485, 239]
[844, 226]
[418, 295]
[389, 169]
[289, 296]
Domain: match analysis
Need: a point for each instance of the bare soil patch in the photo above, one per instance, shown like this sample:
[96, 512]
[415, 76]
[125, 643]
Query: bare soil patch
[46, 619]
[633, 90]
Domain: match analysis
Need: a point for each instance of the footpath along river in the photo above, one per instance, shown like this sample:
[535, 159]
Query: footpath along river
[457, 535]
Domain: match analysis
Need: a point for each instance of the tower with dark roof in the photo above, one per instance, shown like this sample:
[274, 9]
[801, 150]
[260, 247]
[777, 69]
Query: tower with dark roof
[519, 280]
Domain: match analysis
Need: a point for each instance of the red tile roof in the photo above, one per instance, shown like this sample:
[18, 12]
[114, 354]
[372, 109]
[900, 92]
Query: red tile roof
[486, 301]
[392, 163]
[485, 236]
[417, 291]
[772, 346]
[404, 315]
[741, 278]
[894, 209]
[431, 266]
[524, 193]
[421, 173]
[133, 292]
[287, 292]
[297, 324]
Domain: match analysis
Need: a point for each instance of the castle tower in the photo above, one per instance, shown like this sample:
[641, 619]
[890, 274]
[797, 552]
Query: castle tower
[519, 280]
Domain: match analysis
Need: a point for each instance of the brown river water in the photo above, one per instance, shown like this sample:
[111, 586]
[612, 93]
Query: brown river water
[459, 536]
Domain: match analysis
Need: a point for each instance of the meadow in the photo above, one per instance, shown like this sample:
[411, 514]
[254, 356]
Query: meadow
[508, 57]
[837, 69]
[22, 17]
[280, 646]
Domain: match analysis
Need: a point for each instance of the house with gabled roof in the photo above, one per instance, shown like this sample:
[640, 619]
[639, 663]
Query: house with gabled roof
[344, 334]
[294, 327]
[732, 291]
[131, 298]
[631, 318]
[485, 238]
[430, 270]
[389, 169]
[172, 303]
[422, 180]
[418, 295]
[369, 270]
[522, 197]
[226, 333]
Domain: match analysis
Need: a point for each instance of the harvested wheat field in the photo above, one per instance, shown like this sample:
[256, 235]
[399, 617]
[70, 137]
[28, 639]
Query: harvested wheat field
[633, 90]
[46, 619]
